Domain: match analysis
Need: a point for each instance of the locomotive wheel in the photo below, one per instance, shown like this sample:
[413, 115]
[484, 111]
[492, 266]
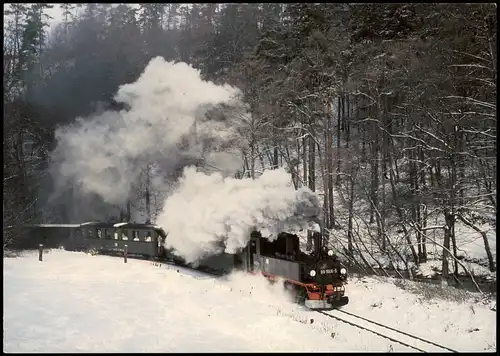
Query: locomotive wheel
[300, 295]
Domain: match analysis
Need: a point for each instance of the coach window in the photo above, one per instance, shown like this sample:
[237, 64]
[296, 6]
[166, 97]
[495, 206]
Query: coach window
[147, 236]
[90, 233]
[125, 234]
[109, 234]
[99, 233]
[136, 235]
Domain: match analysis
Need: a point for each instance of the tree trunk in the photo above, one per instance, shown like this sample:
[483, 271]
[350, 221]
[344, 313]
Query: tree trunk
[351, 212]
[347, 125]
[129, 211]
[400, 212]
[304, 157]
[424, 237]
[275, 156]
[414, 194]
[337, 178]
[326, 216]
[363, 144]
[385, 138]
[422, 210]
[329, 154]
[491, 261]
[148, 196]
[297, 161]
[374, 177]
[252, 157]
[461, 165]
[330, 195]
[326, 164]
[261, 159]
[452, 173]
[447, 237]
[312, 164]
[382, 232]
[483, 169]
[454, 242]
[291, 166]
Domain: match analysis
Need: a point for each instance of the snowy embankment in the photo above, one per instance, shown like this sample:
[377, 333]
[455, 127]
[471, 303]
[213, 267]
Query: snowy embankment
[74, 302]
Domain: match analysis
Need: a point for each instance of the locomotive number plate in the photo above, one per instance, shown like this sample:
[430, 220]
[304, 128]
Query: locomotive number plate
[327, 271]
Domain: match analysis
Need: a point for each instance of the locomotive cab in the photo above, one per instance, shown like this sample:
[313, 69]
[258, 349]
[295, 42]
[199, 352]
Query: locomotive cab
[316, 279]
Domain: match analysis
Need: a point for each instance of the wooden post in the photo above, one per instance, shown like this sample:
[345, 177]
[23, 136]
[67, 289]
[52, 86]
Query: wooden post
[40, 252]
[125, 254]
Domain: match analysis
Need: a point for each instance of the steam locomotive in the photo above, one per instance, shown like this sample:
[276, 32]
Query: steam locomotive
[316, 279]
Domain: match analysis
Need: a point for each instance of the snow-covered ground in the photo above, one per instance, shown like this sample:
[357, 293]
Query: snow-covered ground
[75, 302]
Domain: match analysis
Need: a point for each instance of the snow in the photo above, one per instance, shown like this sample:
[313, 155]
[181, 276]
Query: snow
[58, 225]
[75, 302]
[470, 243]
[89, 223]
[446, 322]
[120, 224]
[428, 269]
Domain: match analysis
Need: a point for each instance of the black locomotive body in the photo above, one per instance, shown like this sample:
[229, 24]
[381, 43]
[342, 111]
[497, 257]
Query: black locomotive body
[317, 279]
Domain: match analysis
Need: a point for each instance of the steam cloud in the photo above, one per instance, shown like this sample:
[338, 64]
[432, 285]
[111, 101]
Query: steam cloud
[165, 123]
[209, 214]
[170, 121]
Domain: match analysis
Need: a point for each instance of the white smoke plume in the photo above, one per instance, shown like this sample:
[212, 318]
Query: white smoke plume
[209, 214]
[165, 122]
[170, 123]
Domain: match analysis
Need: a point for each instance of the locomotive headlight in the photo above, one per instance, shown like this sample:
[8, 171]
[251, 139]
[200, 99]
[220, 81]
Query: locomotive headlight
[343, 271]
[312, 273]
[330, 253]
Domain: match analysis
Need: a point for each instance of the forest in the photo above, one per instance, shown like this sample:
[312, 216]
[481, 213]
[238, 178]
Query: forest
[387, 111]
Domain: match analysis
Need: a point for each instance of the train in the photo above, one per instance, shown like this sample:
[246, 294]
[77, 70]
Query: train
[316, 279]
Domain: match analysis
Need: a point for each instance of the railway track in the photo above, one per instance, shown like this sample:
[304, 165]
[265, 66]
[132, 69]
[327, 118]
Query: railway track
[191, 271]
[382, 330]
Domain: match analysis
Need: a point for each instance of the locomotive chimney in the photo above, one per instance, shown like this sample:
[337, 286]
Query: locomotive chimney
[317, 238]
